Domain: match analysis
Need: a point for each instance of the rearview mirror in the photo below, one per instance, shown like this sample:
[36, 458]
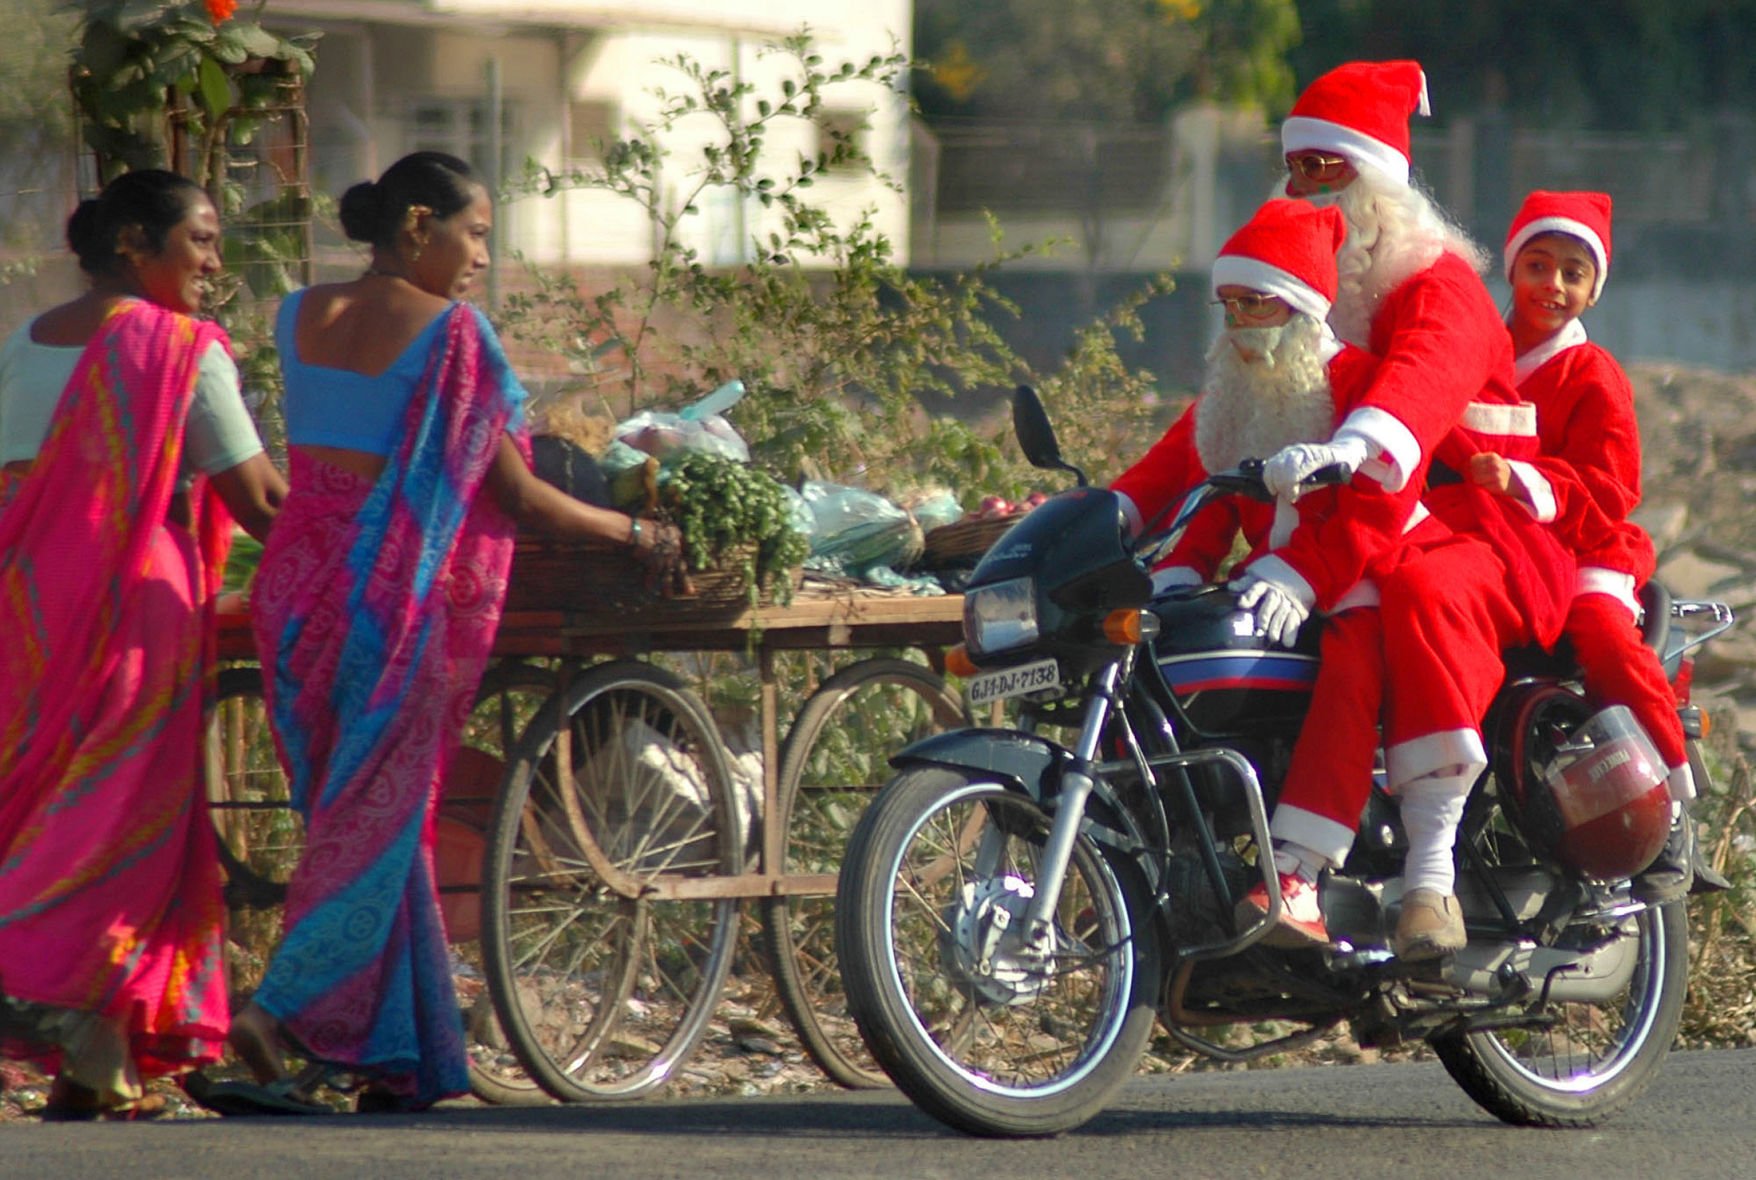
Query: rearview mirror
[1036, 436]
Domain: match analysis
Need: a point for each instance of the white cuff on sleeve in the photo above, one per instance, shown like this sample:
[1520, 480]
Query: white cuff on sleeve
[1539, 494]
[1392, 452]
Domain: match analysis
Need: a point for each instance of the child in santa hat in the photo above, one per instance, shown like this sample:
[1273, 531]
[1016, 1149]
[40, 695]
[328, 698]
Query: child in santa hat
[1428, 662]
[1587, 480]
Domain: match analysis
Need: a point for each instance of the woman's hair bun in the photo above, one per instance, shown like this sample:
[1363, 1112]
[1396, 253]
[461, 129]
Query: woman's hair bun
[362, 211]
[85, 232]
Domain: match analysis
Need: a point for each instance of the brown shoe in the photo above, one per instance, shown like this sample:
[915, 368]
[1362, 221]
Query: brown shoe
[1430, 926]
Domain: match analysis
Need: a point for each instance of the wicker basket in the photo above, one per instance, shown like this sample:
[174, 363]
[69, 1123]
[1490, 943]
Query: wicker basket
[963, 542]
[547, 575]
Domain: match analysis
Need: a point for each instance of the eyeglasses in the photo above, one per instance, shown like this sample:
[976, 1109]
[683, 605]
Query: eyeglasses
[1317, 167]
[1253, 306]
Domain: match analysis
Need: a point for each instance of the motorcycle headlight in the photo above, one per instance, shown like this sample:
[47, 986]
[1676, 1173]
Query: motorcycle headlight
[1001, 616]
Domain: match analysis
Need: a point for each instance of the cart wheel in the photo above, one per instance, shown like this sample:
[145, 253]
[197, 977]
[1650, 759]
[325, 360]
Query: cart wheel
[260, 835]
[511, 693]
[618, 791]
[835, 758]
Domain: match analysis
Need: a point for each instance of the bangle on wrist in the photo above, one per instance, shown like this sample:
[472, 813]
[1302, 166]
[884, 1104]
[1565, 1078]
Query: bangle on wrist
[634, 532]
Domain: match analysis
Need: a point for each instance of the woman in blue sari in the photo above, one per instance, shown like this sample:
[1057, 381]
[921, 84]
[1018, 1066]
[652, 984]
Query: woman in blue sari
[375, 608]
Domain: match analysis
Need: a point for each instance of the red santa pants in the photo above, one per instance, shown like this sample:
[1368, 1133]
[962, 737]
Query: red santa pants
[1619, 669]
[1330, 776]
[1431, 654]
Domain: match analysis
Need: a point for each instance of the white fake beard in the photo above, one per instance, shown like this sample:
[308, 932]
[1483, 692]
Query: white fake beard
[1256, 346]
[1395, 231]
[1251, 409]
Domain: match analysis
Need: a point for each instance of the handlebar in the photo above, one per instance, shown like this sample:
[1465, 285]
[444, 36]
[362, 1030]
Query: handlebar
[1243, 480]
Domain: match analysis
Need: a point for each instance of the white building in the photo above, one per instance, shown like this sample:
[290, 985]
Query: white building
[398, 75]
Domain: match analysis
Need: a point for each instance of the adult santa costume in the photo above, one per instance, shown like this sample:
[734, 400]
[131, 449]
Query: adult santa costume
[1267, 388]
[1410, 291]
[1587, 481]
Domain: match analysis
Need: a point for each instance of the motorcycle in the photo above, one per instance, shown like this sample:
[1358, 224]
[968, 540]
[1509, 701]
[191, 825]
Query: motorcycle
[1019, 904]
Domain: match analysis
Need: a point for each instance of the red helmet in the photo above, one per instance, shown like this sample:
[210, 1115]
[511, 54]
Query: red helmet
[1590, 793]
[1608, 784]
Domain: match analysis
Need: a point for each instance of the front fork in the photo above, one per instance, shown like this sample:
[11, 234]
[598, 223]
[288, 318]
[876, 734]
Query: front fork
[1077, 784]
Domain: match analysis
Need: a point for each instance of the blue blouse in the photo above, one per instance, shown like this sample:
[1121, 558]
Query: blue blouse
[328, 407]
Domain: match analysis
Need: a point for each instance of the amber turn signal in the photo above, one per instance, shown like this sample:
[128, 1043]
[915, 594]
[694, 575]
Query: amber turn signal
[958, 663]
[1706, 723]
[1125, 628]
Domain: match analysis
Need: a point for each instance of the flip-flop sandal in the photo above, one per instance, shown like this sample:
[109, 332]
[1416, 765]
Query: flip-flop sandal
[241, 1099]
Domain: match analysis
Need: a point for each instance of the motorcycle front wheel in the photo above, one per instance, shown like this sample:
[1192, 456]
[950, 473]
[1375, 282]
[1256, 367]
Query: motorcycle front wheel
[981, 1029]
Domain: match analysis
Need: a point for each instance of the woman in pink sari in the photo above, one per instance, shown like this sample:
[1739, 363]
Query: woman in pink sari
[375, 607]
[127, 453]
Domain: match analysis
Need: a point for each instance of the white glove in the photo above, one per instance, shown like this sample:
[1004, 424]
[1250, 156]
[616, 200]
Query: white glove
[1286, 470]
[1170, 577]
[1279, 609]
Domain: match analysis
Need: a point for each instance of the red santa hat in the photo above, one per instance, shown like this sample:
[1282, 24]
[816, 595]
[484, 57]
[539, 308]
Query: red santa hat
[1360, 110]
[1287, 249]
[1585, 216]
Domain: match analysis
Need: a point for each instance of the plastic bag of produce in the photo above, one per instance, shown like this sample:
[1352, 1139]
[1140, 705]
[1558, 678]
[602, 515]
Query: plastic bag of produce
[932, 507]
[632, 476]
[853, 530]
[699, 427]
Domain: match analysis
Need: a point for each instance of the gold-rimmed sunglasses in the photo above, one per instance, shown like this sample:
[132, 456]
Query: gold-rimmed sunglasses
[1253, 306]
[1317, 167]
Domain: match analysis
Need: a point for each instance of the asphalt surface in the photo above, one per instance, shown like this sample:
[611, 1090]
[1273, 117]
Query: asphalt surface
[1407, 1122]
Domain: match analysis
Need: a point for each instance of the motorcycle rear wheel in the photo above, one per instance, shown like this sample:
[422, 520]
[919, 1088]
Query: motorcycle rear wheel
[1584, 1061]
[975, 1030]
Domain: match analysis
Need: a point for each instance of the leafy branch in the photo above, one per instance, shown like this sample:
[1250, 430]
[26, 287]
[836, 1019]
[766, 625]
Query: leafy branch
[146, 71]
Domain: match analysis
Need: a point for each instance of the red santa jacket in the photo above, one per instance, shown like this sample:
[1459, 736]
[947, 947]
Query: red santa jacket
[1332, 538]
[1587, 477]
[1444, 391]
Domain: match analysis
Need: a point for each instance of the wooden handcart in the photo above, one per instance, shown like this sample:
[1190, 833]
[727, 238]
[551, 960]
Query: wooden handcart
[599, 832]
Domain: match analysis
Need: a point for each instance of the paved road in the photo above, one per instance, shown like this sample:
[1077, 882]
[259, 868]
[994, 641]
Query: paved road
[1399, 1122]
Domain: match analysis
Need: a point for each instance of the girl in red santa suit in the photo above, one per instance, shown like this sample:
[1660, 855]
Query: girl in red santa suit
[1410, 290]
[1587, 480]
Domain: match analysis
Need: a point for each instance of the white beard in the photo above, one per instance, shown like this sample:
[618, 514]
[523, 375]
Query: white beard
[1251, 409]
[1394, 232]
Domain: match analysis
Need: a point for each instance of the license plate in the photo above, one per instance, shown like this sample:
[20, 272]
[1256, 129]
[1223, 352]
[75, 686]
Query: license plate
[1011, 682]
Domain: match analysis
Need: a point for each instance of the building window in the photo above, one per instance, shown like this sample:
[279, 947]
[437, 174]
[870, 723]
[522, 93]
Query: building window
[842, 137]
[457, 126]
[591, 124]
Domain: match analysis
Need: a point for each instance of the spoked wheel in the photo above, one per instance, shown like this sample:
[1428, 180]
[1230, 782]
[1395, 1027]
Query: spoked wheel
[1574, 1063]
[1577, 1064]
[511, 693]
[983, 1031]
[835, 758]
[260, 835]
[605, 951]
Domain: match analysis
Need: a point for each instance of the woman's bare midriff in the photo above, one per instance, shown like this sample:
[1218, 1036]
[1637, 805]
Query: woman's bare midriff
[362, 463]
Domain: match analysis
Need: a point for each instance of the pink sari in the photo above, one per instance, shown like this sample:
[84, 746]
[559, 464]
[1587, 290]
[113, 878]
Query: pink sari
[109, 881]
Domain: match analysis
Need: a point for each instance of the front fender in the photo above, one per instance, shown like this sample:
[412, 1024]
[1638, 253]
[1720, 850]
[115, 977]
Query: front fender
[1031, 765]
[1025, 761]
